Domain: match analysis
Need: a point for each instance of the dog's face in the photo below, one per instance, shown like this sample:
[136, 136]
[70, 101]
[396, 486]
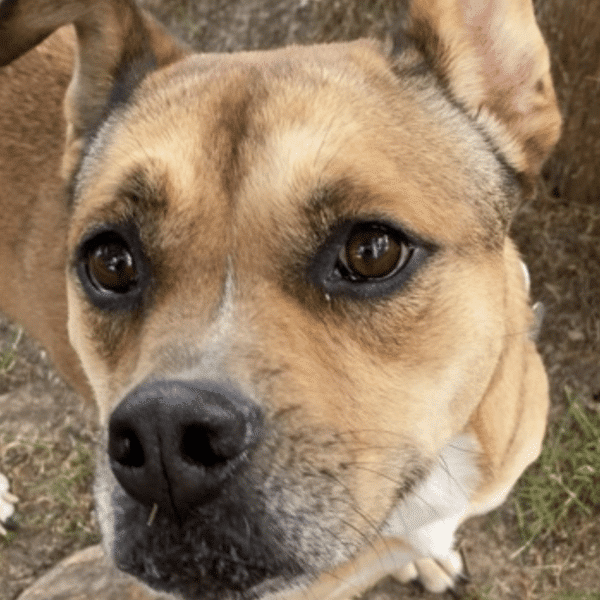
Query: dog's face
[287, 283]
[299, 261]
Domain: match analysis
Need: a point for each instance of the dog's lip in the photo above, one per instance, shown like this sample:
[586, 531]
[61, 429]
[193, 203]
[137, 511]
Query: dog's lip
[226, 549]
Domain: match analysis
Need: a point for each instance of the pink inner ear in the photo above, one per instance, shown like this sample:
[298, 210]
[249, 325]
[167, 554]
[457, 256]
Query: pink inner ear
[508, 42]
[496, 63]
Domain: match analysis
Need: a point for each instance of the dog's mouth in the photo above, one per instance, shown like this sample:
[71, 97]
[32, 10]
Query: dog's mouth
[287, 512]
[226, 550]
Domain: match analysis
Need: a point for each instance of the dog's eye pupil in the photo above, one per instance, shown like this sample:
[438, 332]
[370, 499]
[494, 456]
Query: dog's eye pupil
[373, 252]
[111, 267]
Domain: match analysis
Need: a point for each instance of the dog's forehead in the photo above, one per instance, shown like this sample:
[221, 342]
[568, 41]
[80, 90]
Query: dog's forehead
[264, 133]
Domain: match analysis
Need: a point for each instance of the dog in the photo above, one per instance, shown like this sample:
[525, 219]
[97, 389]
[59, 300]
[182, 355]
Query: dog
[285, 277]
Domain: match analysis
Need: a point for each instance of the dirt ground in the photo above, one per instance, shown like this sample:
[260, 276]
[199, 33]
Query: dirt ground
[46, 435]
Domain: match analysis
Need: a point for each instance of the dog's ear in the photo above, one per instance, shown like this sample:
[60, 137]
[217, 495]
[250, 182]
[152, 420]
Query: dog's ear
[117, 44]
[492, 59]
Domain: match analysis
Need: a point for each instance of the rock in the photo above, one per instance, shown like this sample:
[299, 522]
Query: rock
[87, 575]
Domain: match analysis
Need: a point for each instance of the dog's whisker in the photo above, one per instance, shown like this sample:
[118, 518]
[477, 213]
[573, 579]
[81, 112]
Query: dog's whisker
[360, 467]
[353, 506]
[444, 464]
[152, 515]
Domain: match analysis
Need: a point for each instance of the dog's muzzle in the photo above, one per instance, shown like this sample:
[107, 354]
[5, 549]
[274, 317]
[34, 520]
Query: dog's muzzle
[176, 444]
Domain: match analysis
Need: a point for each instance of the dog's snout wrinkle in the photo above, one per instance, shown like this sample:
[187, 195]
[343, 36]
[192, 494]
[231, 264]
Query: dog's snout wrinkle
[176, 444]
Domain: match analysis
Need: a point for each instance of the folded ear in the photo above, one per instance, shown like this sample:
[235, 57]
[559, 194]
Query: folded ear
[492, 59]
[117, 45]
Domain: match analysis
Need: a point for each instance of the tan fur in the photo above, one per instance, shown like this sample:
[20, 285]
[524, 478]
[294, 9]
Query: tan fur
[504, 73]
[234, 167]
[32, 249]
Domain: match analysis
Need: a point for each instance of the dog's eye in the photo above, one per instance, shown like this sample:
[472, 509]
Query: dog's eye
[373, 251]
[112, 267]
[366, 259]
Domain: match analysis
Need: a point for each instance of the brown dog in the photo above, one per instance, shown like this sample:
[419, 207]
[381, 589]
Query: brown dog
[287, 278]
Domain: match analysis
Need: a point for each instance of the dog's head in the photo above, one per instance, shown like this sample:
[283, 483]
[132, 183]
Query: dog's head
[289, 277]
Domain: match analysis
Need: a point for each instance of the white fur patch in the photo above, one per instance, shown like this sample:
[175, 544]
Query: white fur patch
[428, 516]
[7, 501]
[526, 276]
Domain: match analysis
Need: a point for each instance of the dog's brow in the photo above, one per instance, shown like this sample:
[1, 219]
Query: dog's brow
[138, 194]
[345, 199]
[330, 204]
[141, 188]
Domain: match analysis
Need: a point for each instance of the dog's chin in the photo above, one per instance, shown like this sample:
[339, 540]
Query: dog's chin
[229, 549]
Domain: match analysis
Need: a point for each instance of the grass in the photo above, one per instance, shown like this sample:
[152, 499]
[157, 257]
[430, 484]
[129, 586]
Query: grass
[481, 594]
[57, 493]
[75, 474]
[7, 357]
[62, 483]
[578, 596]
[56, 467]
[562, 489]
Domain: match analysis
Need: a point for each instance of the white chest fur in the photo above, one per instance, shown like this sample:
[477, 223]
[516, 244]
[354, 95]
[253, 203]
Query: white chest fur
[428, 516]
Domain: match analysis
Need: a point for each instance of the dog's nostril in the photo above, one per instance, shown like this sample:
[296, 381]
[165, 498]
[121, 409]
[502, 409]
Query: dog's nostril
[202, 445]
[126, 449]
[176, 444]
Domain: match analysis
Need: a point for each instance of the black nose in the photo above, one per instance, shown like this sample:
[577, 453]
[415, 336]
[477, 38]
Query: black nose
[177, 443]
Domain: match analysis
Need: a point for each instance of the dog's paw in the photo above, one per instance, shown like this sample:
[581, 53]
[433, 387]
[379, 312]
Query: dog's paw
[7, 502]
[436, 575]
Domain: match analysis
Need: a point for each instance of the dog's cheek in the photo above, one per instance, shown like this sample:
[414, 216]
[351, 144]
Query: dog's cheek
[104, 346]
[450, 354]
[334, 410]
[94, 369]
[375, 385]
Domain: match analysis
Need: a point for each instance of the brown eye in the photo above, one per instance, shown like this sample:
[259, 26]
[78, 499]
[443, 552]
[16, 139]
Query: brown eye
[373, 252]
[111, 267]
[367, 259]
